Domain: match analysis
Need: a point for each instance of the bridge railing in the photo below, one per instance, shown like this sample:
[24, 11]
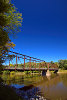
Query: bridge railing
[20, 61]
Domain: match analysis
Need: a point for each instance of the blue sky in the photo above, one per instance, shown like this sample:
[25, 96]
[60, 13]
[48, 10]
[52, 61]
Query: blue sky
[44, 29]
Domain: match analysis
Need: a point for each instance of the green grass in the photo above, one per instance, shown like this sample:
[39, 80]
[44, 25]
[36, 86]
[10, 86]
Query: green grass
[6, 72]
[12, 72]
[19, 73]
[62, 71]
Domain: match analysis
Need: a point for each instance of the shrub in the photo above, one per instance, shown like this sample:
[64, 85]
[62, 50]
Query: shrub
[6, 72]
[13, 72]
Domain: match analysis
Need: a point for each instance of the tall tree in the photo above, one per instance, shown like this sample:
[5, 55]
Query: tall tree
[10, 21]
[63, 64]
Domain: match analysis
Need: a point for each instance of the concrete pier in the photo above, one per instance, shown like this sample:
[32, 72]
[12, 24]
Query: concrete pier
[48, 73]
[43, 73]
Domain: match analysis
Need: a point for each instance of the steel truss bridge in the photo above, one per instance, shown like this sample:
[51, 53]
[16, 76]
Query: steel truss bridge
[21, 62]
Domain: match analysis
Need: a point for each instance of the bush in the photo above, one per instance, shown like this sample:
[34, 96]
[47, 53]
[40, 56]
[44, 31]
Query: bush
[6, 72]
[13, 72]
[65, 66]
[2, 67]
[1, 72]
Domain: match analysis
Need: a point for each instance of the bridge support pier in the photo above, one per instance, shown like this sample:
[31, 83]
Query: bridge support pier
[48, 73]
[55, 71]
[44, 73]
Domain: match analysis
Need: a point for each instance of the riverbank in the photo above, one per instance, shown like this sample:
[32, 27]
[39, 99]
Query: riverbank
[20, 73]
[62, 71]
[29, 72]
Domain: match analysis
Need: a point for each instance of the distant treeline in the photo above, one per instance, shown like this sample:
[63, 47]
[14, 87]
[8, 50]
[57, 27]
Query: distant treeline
[62, 64]
[32, 65]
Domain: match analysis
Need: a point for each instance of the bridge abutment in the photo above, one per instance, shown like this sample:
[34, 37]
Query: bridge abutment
[48, 73]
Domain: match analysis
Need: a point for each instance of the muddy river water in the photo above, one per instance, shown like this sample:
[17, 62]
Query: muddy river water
[37, 87]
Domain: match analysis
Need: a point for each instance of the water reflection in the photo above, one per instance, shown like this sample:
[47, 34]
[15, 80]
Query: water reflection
[17, 86]
[48, 88]
[29, 93]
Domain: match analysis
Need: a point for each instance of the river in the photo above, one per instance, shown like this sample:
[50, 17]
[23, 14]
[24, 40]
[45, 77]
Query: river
[37, 87]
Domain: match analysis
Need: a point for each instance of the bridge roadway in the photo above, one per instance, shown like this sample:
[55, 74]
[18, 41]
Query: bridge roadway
[31, 69]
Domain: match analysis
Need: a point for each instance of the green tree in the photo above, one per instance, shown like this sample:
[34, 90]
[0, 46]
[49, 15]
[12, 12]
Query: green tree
[10, 21]
[52, 62]
[62, 64]
[65, 66]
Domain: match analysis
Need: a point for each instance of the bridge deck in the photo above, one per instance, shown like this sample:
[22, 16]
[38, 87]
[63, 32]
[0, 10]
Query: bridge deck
[32, 69]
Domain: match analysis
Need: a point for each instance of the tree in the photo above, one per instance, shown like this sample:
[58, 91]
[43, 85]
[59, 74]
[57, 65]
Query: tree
[10, 21]
[63, 64]
[52, 62]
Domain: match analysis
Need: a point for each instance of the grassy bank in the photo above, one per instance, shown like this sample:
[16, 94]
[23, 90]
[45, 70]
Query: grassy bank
[19, 73]
[29, 72]
[62, 71]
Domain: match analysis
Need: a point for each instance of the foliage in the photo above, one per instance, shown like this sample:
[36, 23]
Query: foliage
[53, 65]
[6, 72]
[1, 67]
[10, 21]
[63, 71]
[63, 64]
[10, 57]
[27, 64]
[10, 18]
[52, 62]
[12, 72]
